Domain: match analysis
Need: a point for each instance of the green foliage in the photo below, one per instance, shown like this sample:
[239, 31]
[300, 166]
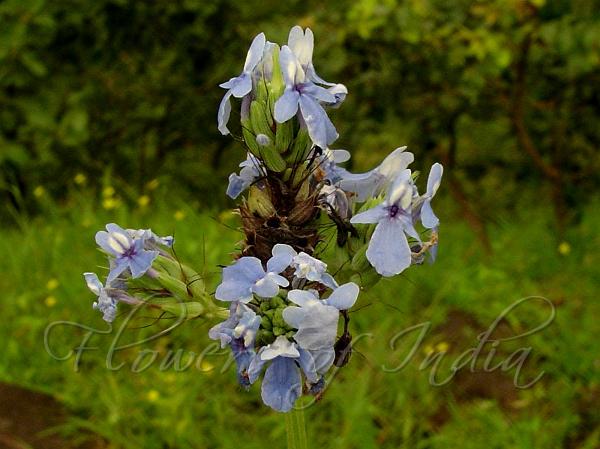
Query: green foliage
[364, 407]
[131, 87]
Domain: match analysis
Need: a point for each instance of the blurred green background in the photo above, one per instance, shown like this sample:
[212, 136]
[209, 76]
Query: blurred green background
[108, 113]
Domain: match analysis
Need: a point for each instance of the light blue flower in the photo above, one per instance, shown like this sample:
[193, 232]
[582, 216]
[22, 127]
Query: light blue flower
[105, 303]
[339, 91]
[252, 170]
[243, 356]
[306, 266]
[238, 332]
[241, 85]
[109, 296]
[335, 199]
[282, 383]
[367, 185]
[150, 238]
[126, 252]
[302, 93]
[328, 163]
[247, 277]
[388, 250]
[428, 218]
[302, 45]
[242, 323]
[316, 319]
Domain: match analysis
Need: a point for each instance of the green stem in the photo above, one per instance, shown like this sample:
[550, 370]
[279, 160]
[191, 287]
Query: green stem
[296, 429]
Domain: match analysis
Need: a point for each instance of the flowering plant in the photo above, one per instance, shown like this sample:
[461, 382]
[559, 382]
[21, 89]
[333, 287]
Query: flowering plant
[284, 299]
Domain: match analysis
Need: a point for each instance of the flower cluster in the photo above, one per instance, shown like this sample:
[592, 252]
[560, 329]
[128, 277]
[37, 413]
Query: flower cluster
[284, 303]
[285, 306]
[131, 253]
[291, 331]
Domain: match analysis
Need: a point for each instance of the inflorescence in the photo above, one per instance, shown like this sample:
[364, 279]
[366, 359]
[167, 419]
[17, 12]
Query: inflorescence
[284, 302]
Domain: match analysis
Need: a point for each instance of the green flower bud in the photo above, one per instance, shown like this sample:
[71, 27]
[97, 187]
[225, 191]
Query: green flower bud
[260, 203]
[277, 302]
[188, 310]
[265, 323]
[250, 138]
[261, 91]
[300, 147]
[261, 119]
[284, 135]
[276, 86]
[278, 320]
[264, 337]
[272, 159]
[176, 287]
[264, 306]
[279, 331]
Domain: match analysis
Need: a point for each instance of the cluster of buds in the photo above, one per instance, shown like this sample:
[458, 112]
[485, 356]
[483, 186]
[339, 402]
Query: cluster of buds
[284, 303]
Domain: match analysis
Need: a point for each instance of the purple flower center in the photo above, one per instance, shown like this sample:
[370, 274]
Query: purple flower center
[393, 210]
[130, 252]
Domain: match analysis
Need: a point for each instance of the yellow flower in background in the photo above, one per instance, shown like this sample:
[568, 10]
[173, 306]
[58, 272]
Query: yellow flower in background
[564, 248]
[110, 203]
[153, 396]
[442, 346]
[39, 192]
[153, 184]
[80, 179]
[143, 200]
[50, 301]
[108, 191]
[170, 378]
[52, 284]
[179, 215]
[428, 349]
[206, 367]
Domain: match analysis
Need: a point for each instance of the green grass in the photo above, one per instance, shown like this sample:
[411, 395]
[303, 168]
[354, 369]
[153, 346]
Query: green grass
[364, 407]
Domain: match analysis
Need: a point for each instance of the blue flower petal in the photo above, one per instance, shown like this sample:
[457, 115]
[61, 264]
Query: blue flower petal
[255, 368]
[282, 384]
[307, 363]
[286, 106]
[255, 52]
[388, 249]
[320, 129]
[344, 296]
[236, 186]
[224, 113]
[243, 86]
[319, 327]
[428, 218]
[117, 267]
[141, 261]
[369, 216]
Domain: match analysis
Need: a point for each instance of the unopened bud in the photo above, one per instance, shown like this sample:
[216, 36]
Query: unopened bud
[260, 203]
[261, 119]
[301, 146]
[263, 140]
[284, 135]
